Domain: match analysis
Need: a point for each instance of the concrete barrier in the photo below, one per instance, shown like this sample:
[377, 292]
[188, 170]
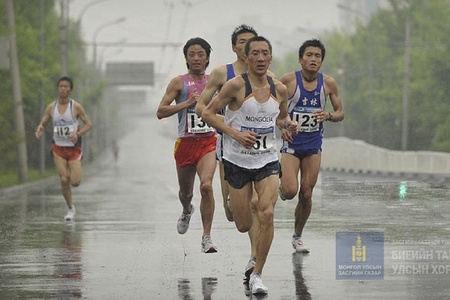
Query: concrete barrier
[344, 154]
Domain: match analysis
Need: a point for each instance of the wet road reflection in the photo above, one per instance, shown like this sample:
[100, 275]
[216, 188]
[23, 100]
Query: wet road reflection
[208, 285]
[68, 263]
[124, 244]
[40, 262]
[301, 288]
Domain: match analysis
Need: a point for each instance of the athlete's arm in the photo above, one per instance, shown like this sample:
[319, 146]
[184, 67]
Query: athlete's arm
[45, 118]
[230, 92]
[84, 117]
[173, 92]
[215, 82]
[332, 88]
[285, 124]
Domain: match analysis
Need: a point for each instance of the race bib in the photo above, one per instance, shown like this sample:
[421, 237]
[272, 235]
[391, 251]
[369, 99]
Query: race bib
[264, 140]
[306, 121]
[64, 131]
[197, 125]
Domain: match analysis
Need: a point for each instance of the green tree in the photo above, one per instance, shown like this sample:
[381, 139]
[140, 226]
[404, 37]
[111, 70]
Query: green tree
[374, 71]
[369, 66]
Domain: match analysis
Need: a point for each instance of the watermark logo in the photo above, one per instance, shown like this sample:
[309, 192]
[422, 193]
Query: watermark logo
[358, 250]
[420, 257]
[360, 255]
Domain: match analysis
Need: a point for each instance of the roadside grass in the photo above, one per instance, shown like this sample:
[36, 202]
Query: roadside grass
[11, 178]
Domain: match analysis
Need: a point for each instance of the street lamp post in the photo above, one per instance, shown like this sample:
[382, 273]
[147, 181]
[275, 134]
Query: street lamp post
[79, 56]
[85, 8]
[94, 40]
[102, 53]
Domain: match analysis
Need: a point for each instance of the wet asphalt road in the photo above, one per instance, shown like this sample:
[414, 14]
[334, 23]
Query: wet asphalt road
[124, 244]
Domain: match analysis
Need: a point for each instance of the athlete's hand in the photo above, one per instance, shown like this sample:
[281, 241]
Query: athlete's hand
[74, 138]
[193, 97]
[320, 115]
[290, 128]
[246, 138]
[39, 131]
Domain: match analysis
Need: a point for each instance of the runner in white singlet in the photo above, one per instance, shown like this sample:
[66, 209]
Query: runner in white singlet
[66, 147]
[255, 103]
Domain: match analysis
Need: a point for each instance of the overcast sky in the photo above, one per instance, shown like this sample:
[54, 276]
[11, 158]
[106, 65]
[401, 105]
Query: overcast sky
[286, 23]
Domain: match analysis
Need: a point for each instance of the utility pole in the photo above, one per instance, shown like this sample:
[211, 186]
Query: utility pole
[64, 38]
[406, 87]
[41, 96]
[17, 93]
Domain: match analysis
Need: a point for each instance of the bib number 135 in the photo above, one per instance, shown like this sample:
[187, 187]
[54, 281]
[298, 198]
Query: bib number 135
[197, 125]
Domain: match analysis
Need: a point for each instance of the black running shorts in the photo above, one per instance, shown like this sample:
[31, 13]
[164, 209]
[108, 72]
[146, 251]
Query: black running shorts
[238, 177]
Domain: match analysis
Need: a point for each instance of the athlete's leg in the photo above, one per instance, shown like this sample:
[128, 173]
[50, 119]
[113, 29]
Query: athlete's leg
[253, 233]
[75, 172]
[225, 192]
[290, 166]
[240, 201]
[62, 167]
[186, 178]
[267, 190]
[205, 169]
[309, 170]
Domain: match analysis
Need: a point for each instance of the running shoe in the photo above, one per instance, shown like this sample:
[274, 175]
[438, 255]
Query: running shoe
[281, 194]
[70, 214]
[183, 221]
[207, 245]
[249, 268]
[229, 210]
[256, 285]
[298, 245]
[247, 290]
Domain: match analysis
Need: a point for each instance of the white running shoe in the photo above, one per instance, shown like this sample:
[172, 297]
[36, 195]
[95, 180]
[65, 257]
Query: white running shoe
[298, 245]
[70, 214]
[229, 204]
[183, 221]
[256, 285]
[229, 210]
[249, 268]
[207, 245]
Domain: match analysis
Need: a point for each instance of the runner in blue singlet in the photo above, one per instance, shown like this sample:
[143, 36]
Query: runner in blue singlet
[307, 90]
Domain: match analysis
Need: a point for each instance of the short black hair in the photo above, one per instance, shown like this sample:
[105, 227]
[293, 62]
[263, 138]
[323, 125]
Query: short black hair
[257, 38]
[68, 79]
[311, 43]
[197, 41]
[240, 30]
